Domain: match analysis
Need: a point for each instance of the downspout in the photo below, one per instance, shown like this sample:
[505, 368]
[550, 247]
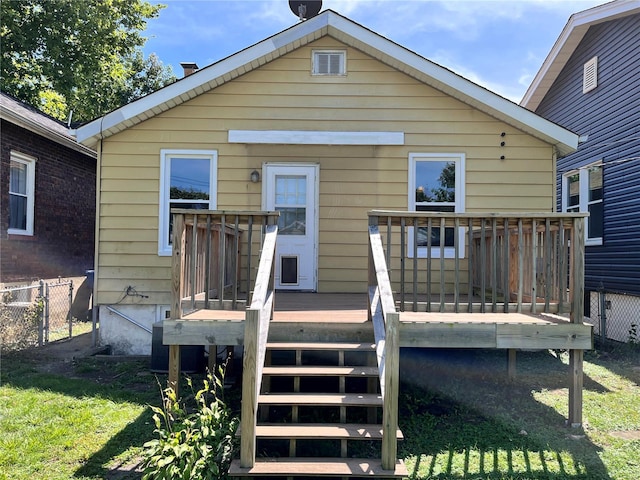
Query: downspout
[94, 309]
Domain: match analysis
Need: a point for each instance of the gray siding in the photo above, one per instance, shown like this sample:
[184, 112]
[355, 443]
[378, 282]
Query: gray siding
[610, 115]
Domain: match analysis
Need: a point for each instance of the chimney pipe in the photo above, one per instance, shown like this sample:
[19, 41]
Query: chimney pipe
[189, 67]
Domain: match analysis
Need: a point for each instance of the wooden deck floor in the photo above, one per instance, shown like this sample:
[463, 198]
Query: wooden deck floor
[337, 317]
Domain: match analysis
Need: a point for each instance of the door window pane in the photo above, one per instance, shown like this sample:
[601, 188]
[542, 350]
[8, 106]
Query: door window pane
[291, 200]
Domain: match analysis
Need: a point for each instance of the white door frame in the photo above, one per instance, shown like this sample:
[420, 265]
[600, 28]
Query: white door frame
[266, 192]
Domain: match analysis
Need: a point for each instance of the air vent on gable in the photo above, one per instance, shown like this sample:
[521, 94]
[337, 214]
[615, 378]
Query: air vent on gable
[328, 63]
[590, 77]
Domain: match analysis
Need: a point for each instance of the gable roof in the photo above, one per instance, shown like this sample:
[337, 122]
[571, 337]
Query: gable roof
[25, 116]
[351, 34]
[569, 39]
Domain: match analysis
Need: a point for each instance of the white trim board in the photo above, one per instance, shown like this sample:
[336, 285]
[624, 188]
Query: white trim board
[304, 137]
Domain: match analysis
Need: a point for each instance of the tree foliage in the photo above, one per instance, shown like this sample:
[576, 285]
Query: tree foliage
[80, 55]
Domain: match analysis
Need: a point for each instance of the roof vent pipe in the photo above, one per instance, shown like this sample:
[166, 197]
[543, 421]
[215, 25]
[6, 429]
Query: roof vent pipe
[189, 67]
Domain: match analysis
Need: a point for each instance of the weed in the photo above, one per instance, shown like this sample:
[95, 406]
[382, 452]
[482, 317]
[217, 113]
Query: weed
[195, 442]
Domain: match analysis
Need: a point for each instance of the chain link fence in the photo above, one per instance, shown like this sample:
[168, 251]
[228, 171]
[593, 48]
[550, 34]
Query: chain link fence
[36, 314]
[615, 317]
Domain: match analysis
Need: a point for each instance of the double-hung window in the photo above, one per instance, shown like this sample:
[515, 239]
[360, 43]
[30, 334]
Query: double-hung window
[22, 175]
[436, 184]
[188, 179]
[582, 191]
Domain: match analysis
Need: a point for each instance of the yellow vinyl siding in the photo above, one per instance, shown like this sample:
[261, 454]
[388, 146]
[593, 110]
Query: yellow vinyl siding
[283, 95]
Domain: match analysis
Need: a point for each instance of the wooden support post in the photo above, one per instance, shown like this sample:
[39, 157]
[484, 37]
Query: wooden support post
[174, 368]
[577, 316]
[576, 359]
[213, 351]
[248, 414]
[511, 364]
[391, 389]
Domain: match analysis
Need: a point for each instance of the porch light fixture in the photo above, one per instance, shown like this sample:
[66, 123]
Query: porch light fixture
[255, 176]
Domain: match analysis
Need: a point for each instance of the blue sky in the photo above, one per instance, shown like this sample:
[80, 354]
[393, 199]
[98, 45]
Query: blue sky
[499, 44]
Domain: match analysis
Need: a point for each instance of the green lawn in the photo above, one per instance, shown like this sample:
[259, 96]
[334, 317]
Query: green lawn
[460, 417]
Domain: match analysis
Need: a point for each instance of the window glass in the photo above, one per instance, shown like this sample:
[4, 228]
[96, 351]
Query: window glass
[189, 182]
[291, 200]
[595, 183]
[584, 192]
[435, 192]
[18, 196]
[190, 178]
[21, 194]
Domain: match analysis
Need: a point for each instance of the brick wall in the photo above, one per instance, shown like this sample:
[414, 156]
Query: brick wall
[64, 214]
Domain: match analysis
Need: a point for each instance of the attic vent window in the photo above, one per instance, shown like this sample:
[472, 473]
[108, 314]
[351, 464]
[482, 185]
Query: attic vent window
[329, 62]
[590, 78]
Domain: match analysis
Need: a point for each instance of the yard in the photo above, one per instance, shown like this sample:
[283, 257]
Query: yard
[88, 418]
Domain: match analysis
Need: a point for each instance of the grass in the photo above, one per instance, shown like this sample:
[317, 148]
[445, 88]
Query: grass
[460, 417]
[464, 420]
[57, 427]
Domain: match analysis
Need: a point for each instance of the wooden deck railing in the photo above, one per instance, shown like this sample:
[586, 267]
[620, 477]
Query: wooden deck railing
[211, 267]
[256, 332]
[382, 312]
[487, 263]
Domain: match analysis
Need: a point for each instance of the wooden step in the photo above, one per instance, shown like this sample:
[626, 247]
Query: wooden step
[321, 346]
[318, 467]
[329, 371]
[322, 399]
[312, 431]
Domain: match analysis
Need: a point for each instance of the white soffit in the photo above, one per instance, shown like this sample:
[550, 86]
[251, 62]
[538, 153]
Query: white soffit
[304, 137]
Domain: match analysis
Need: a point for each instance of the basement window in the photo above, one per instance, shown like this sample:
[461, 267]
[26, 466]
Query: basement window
[590, 75]
[329, 62]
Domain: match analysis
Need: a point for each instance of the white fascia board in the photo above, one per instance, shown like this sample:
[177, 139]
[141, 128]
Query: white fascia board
[462, 88]
[91, 132]
[304, 137]
[568, 41]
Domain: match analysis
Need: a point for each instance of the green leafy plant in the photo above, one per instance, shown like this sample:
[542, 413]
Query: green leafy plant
[196, 442]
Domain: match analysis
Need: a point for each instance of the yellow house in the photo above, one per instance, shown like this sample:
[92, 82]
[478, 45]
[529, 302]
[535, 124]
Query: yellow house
[346, 118]
[361, 145]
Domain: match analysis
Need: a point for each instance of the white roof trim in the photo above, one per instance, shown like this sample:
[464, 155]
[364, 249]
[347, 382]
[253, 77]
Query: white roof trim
[351, 34]
[569, 39]
[304, 137]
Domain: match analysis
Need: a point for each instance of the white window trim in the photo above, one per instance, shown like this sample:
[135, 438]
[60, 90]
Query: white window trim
[30, 162]
[460, 161]
[164, 248]
[590, 75]
[343, 65]
[584, 198]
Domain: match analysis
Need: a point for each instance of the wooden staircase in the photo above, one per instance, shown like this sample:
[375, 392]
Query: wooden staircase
[318, 412]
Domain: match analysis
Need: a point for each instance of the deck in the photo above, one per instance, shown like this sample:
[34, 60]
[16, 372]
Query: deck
[344, 318]
[434, 280]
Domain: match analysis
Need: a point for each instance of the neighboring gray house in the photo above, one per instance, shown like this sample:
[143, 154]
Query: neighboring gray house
[590, 84]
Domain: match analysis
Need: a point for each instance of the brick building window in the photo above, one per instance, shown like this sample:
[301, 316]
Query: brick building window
[22, 177]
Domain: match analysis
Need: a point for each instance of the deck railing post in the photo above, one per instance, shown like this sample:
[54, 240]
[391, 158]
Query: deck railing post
[249, 412]
[391, 389]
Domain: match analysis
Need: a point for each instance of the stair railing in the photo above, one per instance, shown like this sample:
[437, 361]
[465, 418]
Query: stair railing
[382, 313]
[256, 331]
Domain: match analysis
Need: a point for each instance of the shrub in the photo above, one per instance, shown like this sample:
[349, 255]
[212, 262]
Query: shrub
[193, 443]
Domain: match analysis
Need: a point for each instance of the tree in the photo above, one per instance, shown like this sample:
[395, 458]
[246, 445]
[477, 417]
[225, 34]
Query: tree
[80, 55]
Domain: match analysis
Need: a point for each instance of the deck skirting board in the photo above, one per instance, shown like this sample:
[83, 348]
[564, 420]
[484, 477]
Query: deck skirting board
[426, 334]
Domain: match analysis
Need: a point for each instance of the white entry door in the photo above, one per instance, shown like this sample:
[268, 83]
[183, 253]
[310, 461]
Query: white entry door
[292, 190]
